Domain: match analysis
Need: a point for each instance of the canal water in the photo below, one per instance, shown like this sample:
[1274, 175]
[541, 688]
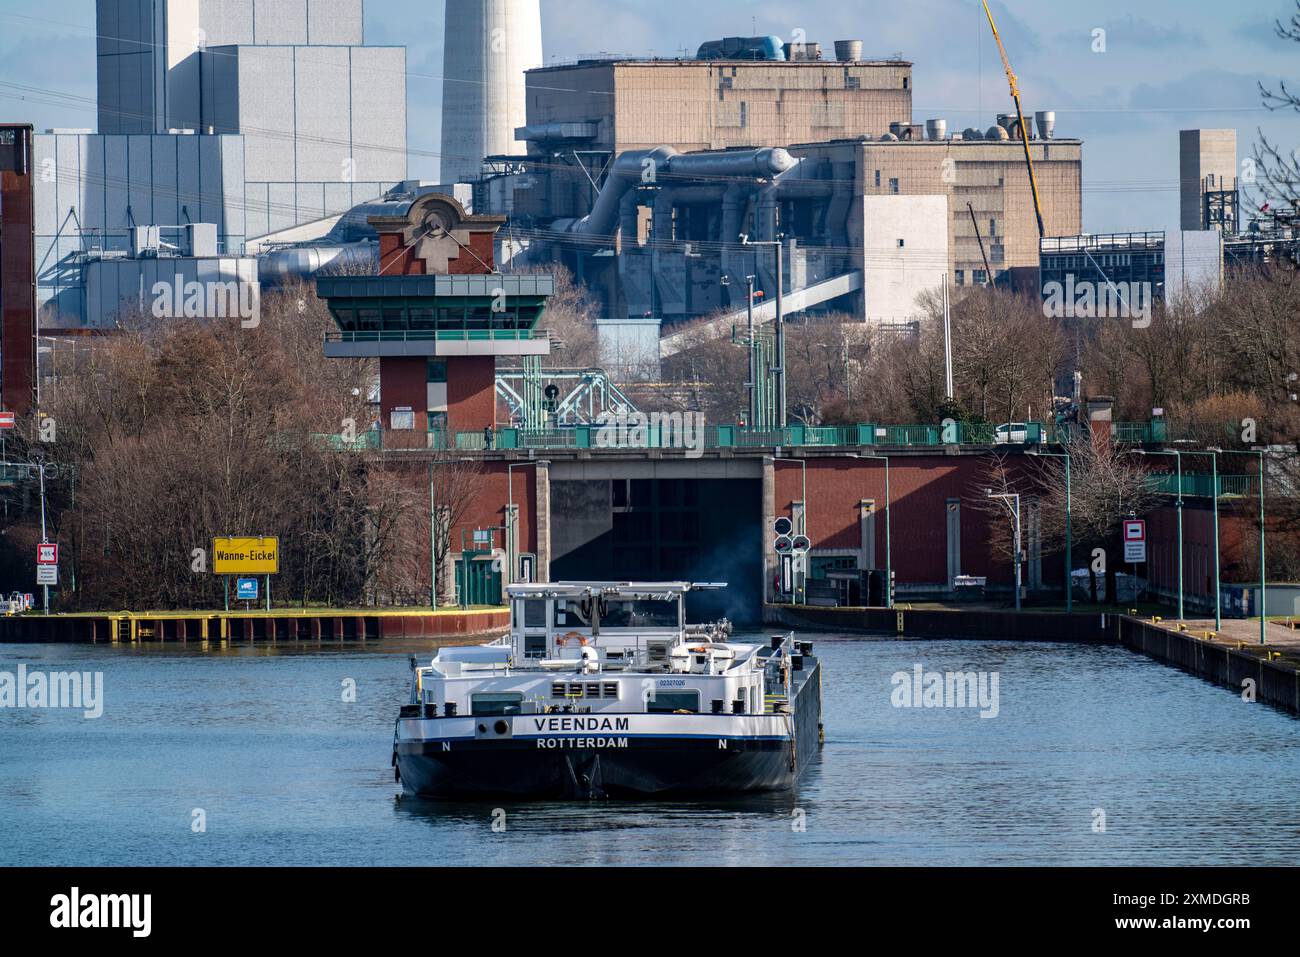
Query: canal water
[1095, 756]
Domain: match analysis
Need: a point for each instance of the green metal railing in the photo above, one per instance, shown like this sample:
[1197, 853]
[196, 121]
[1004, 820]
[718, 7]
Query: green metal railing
[1201, 485]
[738, 437]
[440, 335]
[1140, 433]
[866, 435]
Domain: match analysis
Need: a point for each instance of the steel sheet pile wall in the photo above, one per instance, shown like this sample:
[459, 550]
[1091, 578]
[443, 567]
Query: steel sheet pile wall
[1277, 681]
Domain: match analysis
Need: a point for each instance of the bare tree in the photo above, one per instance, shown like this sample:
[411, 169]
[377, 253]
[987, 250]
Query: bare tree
[1107, 485]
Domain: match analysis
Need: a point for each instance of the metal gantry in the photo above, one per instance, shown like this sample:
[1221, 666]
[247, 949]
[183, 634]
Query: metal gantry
[581, 396]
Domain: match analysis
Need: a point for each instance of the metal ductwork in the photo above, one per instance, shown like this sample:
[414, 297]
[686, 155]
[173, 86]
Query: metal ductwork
[301, 262]
[672, 196]
[664, 166]
[734, 203]
[1046, 120]
[760, 163]
[633, 168]
[551, 132]
[848, 51]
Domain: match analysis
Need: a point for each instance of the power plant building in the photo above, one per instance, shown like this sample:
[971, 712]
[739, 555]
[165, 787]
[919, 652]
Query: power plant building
[581, 116]
[254, 116]
[986, 177]
[647, 177]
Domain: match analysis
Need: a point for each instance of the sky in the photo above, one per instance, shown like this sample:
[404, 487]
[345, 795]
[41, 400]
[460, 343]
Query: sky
[1166, 65]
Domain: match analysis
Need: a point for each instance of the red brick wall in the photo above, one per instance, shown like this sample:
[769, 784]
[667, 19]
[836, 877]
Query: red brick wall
[471, 393]
[1238, 535]
[395, 259]
[404, 382]
[488, 510]
[17, 287]
[920, 489]
[479, 258]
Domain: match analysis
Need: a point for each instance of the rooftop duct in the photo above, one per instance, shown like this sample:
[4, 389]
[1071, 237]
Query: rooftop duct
[803, 52]
[1046, 120]
[848, 51]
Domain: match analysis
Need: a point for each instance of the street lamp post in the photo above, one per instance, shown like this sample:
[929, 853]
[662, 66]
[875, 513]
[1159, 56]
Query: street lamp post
[511, 525]
[1214, 480]
[1069, 531]
[1012, 499]
[433, 531]
[1263, 582]
[1178, 456]
[45, 589]
[889, 555]
[779, 245]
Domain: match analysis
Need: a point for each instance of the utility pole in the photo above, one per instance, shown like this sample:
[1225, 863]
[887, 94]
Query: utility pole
[753, 355]
[781, 420]
[950, 392]
[778, 371]
[45, 589]
[433, 544]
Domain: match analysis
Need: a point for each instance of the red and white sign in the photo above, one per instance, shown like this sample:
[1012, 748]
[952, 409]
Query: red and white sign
[47, 553]
[1135, 541]
[7, 420]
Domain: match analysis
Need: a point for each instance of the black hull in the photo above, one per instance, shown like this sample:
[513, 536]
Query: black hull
[617, 765]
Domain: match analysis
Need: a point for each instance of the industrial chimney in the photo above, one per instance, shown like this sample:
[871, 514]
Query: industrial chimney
[488, 45]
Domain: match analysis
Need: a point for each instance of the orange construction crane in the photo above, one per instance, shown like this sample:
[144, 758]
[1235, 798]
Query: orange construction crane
[1020, 119]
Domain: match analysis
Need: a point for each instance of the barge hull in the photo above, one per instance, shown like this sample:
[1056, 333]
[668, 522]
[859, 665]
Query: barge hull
[616, 764]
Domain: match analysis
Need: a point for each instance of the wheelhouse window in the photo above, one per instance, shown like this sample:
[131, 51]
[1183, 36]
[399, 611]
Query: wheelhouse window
[572, 614]
[670, 702]
[535, 613]
[627, 613]
[496, 703]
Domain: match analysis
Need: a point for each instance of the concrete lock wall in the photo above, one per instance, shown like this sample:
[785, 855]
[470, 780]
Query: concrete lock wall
[1276, 682]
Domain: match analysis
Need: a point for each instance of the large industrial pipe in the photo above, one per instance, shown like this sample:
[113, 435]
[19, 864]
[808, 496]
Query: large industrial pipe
[761, 163]
[734, 201]
[665, 166]
[633, 168]
[278, 266]
[672, 196]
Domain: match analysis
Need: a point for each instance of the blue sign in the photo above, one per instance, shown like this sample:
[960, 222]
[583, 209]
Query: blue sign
[246, 589]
